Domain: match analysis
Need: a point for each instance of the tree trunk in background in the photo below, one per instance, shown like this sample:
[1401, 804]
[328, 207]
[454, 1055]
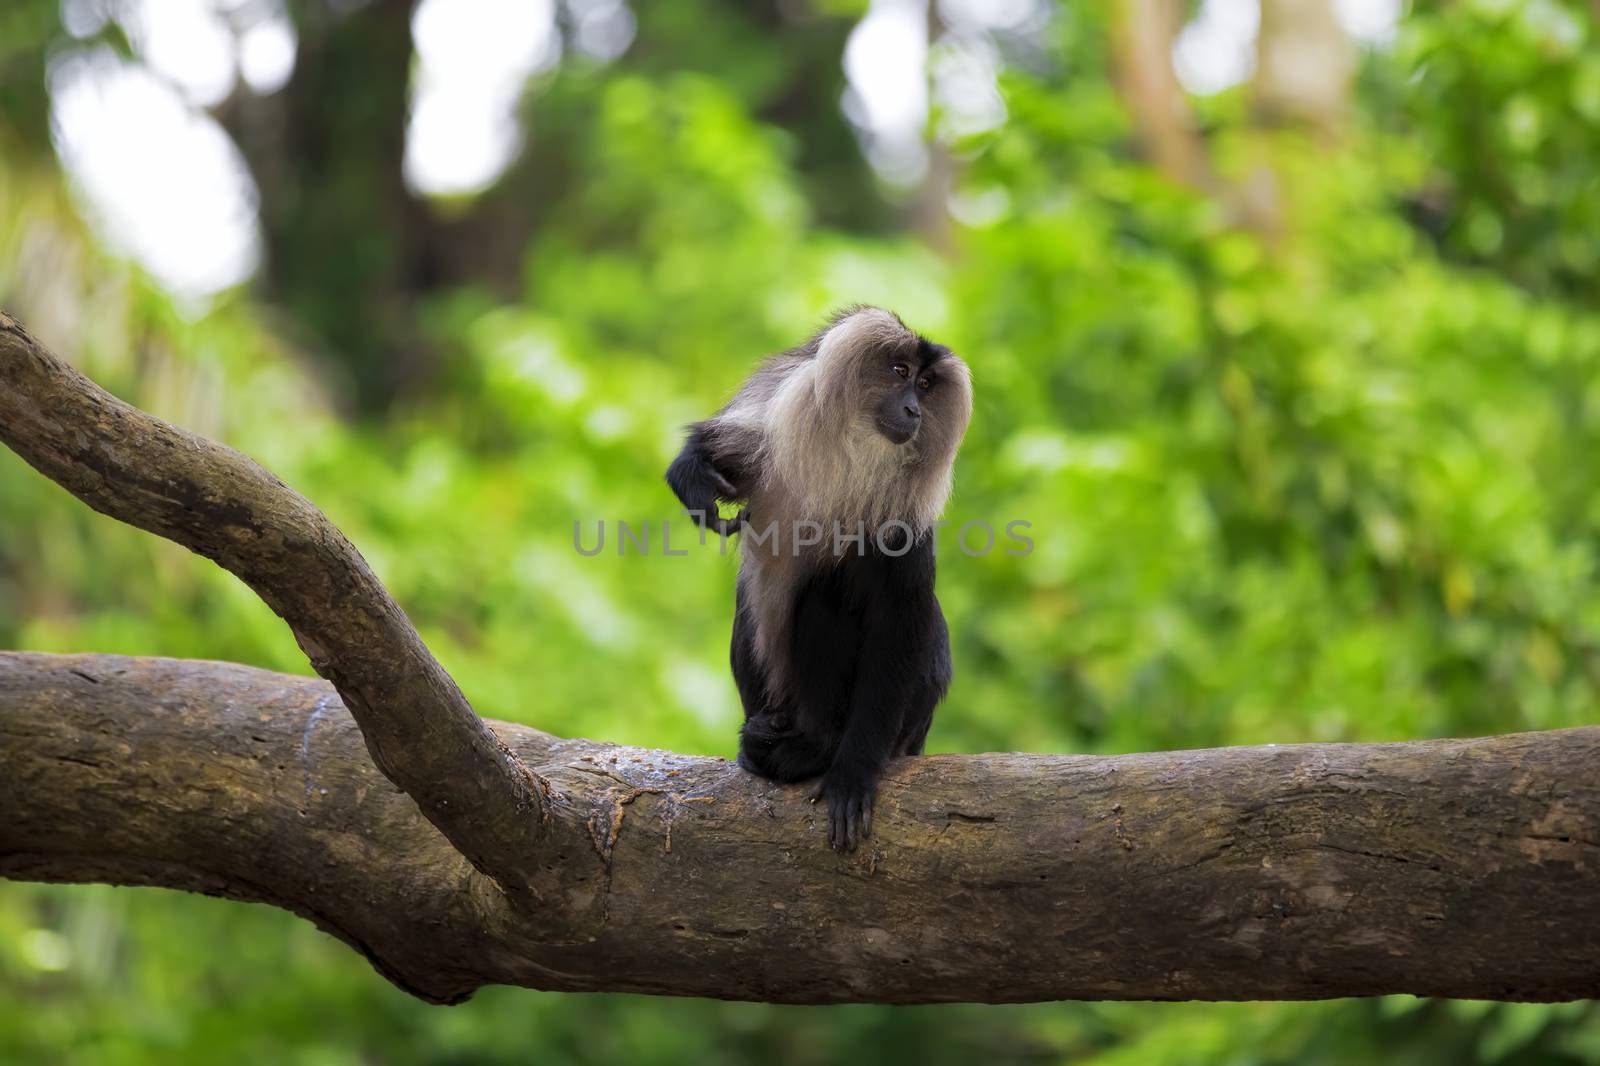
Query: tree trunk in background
[1142, 35]
[1304, 63]
[928, 214]
[26, 29]
[351, 252]
[348, 246]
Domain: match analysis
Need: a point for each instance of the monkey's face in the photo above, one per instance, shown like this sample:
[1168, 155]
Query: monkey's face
[863, 421]
[899, 413]
[921, 391]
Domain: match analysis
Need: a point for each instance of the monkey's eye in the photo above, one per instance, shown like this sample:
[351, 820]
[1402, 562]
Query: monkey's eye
[901, 369]
[924, 384]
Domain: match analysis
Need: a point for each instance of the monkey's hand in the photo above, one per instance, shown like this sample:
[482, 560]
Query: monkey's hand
[729, 526]
[699, 485]
[850, 795]
[713, 521]
[720, 488]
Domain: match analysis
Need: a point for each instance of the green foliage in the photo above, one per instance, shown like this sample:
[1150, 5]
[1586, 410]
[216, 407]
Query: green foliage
[1506, 98]
[1331, 488]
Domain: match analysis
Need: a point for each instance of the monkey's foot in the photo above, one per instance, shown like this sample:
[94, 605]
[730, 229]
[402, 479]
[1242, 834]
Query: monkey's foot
[850, 799]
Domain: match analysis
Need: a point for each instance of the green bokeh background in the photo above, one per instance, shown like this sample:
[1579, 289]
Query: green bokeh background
[1331, 485]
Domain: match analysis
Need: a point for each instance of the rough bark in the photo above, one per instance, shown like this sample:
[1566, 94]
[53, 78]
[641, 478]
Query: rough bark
[1449, 867]
[220, 504]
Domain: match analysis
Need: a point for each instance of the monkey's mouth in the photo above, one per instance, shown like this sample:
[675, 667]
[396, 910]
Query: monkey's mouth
[895, 433]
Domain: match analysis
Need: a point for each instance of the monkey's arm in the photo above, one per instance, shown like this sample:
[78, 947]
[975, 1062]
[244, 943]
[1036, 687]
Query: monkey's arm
[897, 648]
[700, 479]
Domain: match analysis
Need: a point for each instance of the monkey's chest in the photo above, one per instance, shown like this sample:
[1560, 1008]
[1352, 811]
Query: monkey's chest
[831, 639]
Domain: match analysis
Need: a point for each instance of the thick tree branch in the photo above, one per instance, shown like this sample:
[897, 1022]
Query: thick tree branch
[419, 728]
[1451, 867]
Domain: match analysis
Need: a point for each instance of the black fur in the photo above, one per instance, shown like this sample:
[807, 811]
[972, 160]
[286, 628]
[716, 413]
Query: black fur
[699, 482]
[841, 668]
[871, 662]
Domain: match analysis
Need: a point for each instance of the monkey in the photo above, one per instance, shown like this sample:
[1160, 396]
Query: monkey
[838, 455]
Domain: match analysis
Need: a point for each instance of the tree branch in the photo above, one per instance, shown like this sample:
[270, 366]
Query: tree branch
[1449, 868]
[418, 726]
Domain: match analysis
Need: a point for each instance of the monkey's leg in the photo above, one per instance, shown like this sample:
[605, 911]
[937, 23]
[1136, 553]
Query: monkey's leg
[915, 735]
[851, 783]
[903, 659]
[771, 743]
[748, 673]
[770, 750]
[919, 715]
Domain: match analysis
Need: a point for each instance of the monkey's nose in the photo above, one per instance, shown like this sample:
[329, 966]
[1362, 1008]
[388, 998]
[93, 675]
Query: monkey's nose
[913, 411]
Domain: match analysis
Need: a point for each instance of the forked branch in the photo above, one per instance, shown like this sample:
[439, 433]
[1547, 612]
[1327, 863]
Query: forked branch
[418, 726]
